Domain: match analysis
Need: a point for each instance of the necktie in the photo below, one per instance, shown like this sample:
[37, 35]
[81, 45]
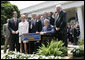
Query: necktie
[56, 18]
[34, 22]
[15, 21]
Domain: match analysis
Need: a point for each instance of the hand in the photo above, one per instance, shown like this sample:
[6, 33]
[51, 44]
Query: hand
[72, 35]
[42, 32]
[5, 36]
[17, 32]
[57, 29]
[37, 32]
[13, 32]
[31, 26]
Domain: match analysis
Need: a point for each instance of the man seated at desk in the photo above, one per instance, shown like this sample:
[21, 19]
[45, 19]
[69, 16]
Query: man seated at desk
[47, 29]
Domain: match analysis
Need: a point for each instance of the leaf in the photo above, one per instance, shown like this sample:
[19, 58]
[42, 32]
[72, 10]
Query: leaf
[53, 48]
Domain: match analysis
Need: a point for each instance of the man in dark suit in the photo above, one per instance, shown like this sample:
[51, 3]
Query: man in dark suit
[13, 27]
[39, 24]
[33, 29]
[38, 29]
[33, 23]
[61, 25]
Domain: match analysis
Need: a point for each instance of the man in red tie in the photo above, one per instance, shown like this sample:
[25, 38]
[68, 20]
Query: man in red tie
[15, 21]
[13, 27]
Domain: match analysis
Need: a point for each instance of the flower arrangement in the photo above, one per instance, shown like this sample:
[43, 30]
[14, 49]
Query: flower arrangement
[17, 55]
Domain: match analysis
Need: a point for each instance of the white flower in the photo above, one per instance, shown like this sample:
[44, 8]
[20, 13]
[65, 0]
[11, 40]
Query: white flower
[43, 56]
[46, 57]
[24, 58]
[52, 56]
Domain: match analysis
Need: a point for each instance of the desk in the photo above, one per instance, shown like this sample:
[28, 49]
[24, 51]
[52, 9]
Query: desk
[42, 38]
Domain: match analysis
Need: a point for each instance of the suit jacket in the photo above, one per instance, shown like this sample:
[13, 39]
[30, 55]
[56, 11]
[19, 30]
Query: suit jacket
[39, 26]
[34, 26]
[50, 29]
[6, 30]
[61, 22]
[52, 20]
[11, 25]
[30, 27]
[76, 32]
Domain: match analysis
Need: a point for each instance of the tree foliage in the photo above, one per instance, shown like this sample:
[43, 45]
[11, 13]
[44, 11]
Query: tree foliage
[6, 13]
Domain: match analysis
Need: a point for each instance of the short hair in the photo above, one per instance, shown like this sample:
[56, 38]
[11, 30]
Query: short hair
[59, 5]
[45, 12]
[47, 21]
[33, 14]
[14, 12]
[22, 16]
[25, 13]
[51, 13]
[7, 20]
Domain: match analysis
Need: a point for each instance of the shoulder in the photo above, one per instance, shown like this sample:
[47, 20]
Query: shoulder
[31, 21]
[44, 27]
[4, 24]
[63, 12]
[20, 23]
[52, 26]
[52, 18]
[10, 19]
[26, 22]
[19, 19]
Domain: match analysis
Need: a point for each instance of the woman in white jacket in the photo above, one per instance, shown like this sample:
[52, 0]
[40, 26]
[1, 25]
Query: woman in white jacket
[23, 29]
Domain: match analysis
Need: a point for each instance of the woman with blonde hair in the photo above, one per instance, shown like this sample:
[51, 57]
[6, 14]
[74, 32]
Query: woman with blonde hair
[23, 29]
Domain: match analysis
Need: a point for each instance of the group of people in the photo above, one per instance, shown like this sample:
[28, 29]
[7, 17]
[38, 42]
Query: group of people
[73, 32]
[43, 24]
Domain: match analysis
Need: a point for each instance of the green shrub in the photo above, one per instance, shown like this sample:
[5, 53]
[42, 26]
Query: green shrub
[81, 42]
[6, 13]
[54, 48]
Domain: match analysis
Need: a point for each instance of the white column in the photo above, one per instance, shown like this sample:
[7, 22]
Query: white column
[81, 23]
